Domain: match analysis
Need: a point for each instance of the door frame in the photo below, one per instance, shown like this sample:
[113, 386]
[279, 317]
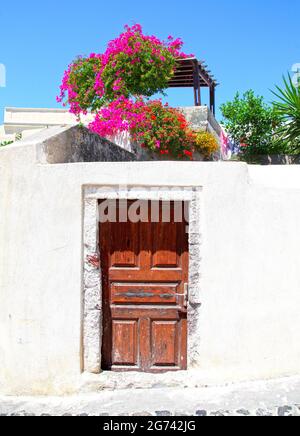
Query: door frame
[91, 274]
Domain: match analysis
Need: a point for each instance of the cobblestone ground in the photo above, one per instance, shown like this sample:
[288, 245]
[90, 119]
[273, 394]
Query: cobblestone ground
[280, 411]
[269, 398]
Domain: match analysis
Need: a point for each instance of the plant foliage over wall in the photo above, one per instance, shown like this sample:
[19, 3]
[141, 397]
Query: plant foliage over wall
[206, 143]
[287, 108]
[251, 124]
[4, 143]
[260, 129]
[116, 87]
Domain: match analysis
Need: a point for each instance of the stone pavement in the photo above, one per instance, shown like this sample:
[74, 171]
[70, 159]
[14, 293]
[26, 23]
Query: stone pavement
[263, 398]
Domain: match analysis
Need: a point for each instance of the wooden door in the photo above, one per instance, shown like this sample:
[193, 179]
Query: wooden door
[144, 277]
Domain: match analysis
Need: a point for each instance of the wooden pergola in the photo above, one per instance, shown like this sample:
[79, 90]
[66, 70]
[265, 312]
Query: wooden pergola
[191, 73]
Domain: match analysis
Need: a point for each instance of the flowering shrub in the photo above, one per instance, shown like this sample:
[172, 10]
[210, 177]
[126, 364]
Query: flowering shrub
[136, 64]
[113, 86]
[153, 125]
[120, 115]
[164, 130]
[206, 144]
[77, 88]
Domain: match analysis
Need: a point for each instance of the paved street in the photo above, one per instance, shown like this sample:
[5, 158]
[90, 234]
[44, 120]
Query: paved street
[271, 398]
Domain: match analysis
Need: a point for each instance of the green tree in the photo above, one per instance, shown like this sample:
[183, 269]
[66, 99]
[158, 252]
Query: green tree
[251, 123]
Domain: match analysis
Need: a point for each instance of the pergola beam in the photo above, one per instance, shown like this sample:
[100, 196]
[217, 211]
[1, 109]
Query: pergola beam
[191, 73]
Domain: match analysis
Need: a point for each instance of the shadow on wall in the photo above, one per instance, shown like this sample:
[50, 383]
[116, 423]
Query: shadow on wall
[78, 144]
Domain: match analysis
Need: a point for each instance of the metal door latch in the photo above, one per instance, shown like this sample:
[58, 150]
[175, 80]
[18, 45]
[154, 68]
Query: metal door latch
[185, 295]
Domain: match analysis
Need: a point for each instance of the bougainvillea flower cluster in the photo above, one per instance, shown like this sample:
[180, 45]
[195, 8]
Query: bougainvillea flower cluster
[78, 85]
[153, 125]
[137, 64]
[116, 85]
[121, 115]
[133, 64]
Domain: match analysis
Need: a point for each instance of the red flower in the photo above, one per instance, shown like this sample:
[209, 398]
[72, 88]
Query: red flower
[188, 153]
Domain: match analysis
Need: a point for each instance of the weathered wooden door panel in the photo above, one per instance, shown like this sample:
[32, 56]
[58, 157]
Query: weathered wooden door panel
[144, 271]
[125, 345]
[165, 343]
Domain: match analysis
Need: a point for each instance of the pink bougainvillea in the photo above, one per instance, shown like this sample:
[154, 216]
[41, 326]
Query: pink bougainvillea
[153, 125]
[134, 64]
[77, 88]
[137, 64]
[120, 115]
[115, 87]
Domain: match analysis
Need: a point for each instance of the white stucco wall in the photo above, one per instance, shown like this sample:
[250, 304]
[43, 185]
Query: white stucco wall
[250, 281]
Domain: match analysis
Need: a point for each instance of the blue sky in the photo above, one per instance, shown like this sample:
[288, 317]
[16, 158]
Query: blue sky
[247, 44]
